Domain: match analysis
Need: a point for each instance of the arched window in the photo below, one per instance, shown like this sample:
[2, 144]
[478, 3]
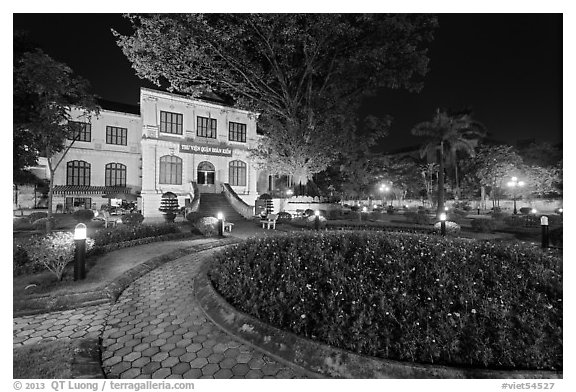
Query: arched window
[115, 174]
[78, 173]
[170, 170]
[237, 174]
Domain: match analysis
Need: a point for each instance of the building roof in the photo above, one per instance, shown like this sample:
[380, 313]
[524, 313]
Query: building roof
[119, 107]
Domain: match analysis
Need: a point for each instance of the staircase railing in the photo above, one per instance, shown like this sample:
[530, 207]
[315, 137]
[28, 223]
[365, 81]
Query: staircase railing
[195, 203]
[237, 203]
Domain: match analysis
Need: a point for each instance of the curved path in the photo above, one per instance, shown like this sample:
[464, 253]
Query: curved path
[157, 330]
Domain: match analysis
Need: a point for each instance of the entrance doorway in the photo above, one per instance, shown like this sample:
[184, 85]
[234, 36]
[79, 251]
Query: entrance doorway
[206, 177]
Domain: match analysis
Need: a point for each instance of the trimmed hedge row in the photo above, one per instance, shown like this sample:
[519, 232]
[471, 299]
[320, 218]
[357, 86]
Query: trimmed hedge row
[419, 298]
[123, 233]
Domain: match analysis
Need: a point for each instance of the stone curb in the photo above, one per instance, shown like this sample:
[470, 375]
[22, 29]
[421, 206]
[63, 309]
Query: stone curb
[323, 360]
[86, 363]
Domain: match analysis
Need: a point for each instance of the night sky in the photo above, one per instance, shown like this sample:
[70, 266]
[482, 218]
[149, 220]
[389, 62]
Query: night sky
[506, 67]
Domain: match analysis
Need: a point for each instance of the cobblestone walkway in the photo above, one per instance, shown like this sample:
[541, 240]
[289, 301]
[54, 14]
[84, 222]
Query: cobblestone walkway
[157, 330]
[87, 322]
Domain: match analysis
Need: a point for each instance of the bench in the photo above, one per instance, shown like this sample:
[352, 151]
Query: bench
[228, 226]
[269, 221]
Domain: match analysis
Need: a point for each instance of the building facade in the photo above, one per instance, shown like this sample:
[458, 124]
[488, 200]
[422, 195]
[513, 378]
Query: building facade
[186, 141]
[164, 146]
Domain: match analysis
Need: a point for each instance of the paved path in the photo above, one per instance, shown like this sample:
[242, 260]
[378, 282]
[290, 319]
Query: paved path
[78, 323]
[157, 330]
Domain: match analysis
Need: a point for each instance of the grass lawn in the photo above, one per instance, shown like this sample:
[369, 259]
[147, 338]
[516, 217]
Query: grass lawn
[44, 360]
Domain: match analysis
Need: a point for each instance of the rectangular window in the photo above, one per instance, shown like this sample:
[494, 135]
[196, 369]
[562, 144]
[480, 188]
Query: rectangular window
[171, 123]
[116, 135]
[206, 127]
[81, 132]
[237, 132]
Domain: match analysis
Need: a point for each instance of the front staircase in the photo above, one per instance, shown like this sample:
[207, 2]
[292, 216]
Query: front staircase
[213, 203]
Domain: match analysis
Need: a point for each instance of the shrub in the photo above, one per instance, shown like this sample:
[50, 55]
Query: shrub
[21, 263]
[419, 218]
[207, 226]
[334, 214]
[308, 212]
[132, 219]
[483, 225]
[54, 251]
[554, 220]
[40, 224]
[419, 298]
[452, 228]
[21, 224]
[284, 216]
[462, 205]
[124, 233]
[390, 210]
[498, 216]
[83, 216]
[556, 237]
[514, 221]
[525, 210]
[311, 222]
[33, 217]
[193, 217]
[354, 208]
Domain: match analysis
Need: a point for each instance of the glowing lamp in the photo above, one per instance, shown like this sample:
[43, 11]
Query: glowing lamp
[443, 216]
[317, 212]
[80, 231]
[364, 209]
[534, 210]
[220, 216]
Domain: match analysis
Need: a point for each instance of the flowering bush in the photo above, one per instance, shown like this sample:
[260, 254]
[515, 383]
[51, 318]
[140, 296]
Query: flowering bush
[556, 237]
[420, 298]
[311, 222]
[207, 226]
[419, 218]
[451, 227]
[54, 251]
[123, 233]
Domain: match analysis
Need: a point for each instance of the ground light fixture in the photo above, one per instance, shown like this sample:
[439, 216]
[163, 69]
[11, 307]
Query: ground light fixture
[80, 251]
[443, 223]
[289, 192]
[534, 210]
[545, 233]
[220, 217]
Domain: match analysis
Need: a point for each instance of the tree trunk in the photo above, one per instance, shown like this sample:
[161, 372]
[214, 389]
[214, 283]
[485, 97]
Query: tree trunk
[457, 188]
[440, 208]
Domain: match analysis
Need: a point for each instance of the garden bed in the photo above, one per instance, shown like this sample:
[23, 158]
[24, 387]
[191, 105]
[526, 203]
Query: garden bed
[415, 298]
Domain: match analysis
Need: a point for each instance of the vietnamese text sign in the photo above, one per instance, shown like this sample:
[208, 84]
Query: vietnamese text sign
[193, 148]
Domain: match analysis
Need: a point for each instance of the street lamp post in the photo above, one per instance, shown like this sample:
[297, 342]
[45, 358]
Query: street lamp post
[317, 220]
[514, 184]
[384, 189]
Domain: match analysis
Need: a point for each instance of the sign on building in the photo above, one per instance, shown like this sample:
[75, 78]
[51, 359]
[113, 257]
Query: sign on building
[197, 148]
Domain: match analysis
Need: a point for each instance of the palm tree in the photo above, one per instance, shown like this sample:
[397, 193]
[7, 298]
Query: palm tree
[447, 134]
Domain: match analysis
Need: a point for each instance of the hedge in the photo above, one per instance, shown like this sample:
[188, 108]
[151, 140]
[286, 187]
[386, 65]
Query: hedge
[419, 298]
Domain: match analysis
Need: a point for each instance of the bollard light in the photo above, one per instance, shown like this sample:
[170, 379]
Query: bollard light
[220, 224]
[443, 224]
[317, 220]
[364, 209]
[80, 251]
[80, 231]
[560, 210]
[545, 234]
[446, 208]
[534, 210]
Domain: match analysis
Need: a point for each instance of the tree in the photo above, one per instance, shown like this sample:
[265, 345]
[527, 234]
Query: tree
[448, 133]
[44, 93]
[403, 173]
[495, 165]
[305, 74]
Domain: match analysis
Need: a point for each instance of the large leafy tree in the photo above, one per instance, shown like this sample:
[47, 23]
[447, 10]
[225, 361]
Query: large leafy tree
[45, 91]
[446, 134]
[495, 165]
[305, 74]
